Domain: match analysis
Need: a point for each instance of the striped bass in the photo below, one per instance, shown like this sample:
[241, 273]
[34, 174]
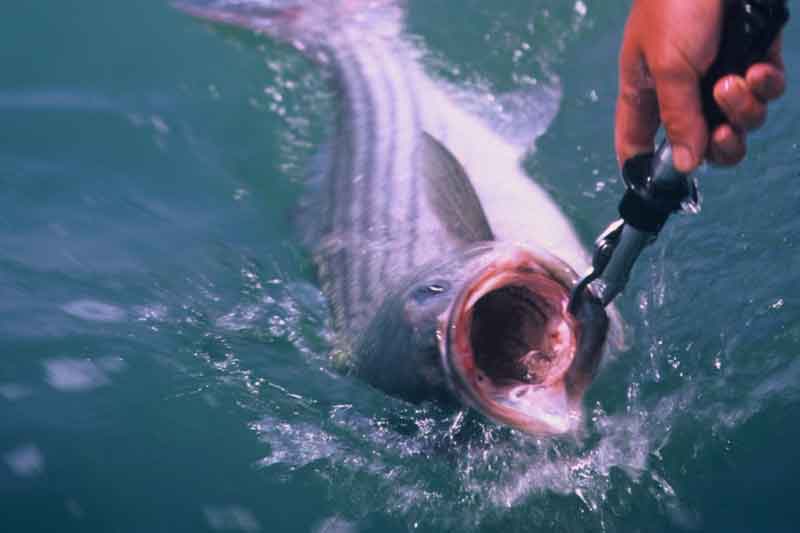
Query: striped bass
[447, 269]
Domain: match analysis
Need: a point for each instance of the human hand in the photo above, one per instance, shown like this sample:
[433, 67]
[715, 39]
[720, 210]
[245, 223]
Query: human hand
[667, 47]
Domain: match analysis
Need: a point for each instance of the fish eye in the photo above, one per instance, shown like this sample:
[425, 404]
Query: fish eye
[428, 290]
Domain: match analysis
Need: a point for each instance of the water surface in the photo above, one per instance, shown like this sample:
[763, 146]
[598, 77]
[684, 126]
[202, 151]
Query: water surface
[164, 344]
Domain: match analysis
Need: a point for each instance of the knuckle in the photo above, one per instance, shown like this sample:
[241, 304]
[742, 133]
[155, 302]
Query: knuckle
[679, 123]
[750, 117]
[635, 97]
[670, 66]
[629, 96]
[727, 147]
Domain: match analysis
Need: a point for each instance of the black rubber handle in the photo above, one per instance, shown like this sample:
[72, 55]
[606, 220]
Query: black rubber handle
[748, 31]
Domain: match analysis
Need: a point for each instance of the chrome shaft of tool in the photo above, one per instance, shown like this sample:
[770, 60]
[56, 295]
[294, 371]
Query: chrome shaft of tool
[604, 248]
[615, 276]
[618, 247]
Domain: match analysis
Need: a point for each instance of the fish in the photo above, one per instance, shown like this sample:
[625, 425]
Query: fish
[447, 269]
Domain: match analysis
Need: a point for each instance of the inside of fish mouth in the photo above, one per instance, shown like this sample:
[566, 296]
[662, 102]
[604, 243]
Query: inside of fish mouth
[510, 337]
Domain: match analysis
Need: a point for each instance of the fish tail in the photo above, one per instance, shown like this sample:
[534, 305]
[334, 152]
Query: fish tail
[306, 24]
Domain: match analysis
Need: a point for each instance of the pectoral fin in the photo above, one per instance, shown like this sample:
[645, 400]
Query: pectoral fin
[451, 193]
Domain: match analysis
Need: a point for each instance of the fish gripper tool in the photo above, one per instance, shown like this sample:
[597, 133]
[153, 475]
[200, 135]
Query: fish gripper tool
[654, 189]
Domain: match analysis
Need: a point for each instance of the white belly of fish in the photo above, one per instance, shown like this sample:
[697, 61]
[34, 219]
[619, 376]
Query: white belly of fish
[517, 208]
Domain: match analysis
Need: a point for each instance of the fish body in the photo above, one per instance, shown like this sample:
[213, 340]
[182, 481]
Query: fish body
[448, 270]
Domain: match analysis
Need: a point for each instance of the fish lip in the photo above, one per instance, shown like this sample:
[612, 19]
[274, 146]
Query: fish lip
[516, 267]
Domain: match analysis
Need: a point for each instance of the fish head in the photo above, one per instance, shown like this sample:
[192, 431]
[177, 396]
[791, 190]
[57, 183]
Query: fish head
[399, 351]
[489, 327]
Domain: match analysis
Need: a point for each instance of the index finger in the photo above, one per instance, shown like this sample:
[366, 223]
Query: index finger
[678, 87]
[636, 119]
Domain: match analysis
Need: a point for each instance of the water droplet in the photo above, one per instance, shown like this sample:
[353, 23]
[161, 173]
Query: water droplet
[159, 124]
[73, 508]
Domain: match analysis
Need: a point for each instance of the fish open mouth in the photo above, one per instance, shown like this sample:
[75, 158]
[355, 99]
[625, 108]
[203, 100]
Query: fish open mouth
[518, 337]
[510, 344]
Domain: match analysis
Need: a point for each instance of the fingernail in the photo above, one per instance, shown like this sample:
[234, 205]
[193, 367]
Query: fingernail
[683, 159]
[734, 92]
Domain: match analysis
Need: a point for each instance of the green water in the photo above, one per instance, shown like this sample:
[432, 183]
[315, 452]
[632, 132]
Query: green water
[163, 345]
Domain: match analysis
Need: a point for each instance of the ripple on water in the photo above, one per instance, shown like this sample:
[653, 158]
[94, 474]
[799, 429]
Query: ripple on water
[456, 471]
[14, 391]
[94, 311]
[295, 445]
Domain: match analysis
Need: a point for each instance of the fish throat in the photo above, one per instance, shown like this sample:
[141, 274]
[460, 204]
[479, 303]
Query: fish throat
[516, 336]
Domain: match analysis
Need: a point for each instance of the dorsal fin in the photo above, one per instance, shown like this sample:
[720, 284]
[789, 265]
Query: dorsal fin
[451, 193]
[520, 116]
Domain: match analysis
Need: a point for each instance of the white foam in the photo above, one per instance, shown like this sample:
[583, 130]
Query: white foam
[94, 311]
[231, 518]
[26, 461]
[149, 313]
[335, 524]
[295, 445]
[240, 318]
[74, 375]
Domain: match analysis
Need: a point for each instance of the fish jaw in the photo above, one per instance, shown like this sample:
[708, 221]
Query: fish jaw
[511, 349]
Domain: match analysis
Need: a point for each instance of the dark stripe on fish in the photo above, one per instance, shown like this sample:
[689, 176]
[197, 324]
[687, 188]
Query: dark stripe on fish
[340, 257]
[368, 172]
[332, 269]
[387, 229]
[413, 215]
